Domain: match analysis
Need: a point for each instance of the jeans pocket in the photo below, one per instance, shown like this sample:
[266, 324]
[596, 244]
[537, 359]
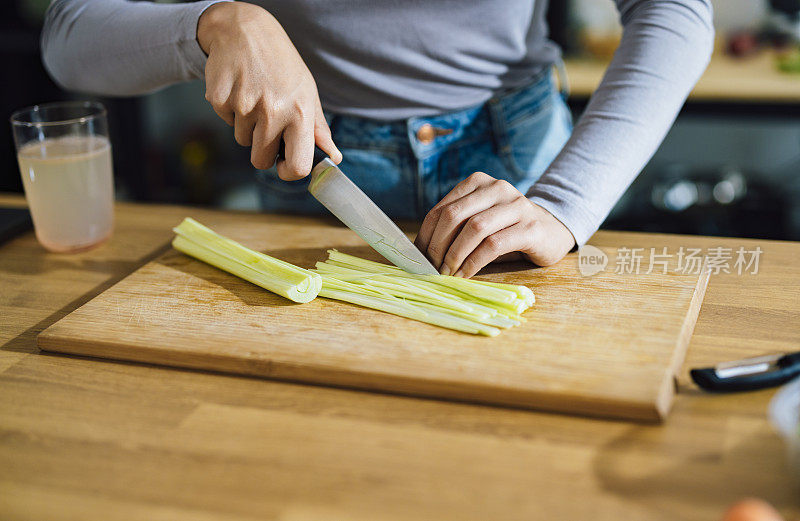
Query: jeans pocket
[528, 144]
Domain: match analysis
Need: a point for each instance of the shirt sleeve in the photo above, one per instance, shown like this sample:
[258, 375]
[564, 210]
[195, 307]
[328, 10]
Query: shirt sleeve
[665, 47]
[122, 48]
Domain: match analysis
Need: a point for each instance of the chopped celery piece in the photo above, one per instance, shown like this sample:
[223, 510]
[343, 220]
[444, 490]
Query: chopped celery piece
[436, 318]
[285, 279]
[485, 306]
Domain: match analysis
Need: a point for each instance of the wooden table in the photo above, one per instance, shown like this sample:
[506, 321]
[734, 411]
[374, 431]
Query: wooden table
[94, 439]
[753, 79]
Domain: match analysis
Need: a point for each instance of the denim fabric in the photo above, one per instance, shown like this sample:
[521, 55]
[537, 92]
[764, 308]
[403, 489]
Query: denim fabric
[513, 136]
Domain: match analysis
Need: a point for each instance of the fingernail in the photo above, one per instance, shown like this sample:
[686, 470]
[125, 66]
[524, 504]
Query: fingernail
[445, 270]
[459, 273]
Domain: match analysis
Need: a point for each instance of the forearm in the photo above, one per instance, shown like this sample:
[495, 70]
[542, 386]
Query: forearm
[122, 48]
[665, 48]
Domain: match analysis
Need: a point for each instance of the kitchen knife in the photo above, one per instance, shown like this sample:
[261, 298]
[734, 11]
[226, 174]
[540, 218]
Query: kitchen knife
[354, 208]
[748, 374]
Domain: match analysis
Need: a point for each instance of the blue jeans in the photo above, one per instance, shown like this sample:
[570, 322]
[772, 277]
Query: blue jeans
[513, 136]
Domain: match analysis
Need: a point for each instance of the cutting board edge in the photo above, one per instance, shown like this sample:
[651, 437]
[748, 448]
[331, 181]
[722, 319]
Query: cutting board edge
[607, 408]
[666, 394]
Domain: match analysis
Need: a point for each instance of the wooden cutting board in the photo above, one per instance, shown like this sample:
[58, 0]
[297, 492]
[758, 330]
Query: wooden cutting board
[607, 345]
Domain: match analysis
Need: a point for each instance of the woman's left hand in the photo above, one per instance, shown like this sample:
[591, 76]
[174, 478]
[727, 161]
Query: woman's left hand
[483, 219]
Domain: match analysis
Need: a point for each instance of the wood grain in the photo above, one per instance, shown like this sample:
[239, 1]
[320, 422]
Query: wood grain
[83, 438]
[607, 345]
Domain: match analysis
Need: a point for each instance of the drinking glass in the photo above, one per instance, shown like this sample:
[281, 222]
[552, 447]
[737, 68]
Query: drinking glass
[64, 158]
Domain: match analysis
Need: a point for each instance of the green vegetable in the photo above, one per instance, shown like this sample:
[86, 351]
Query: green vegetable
[471, 306]
[285, 279]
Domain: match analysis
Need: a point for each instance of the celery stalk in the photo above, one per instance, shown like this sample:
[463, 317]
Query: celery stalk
[285, 279]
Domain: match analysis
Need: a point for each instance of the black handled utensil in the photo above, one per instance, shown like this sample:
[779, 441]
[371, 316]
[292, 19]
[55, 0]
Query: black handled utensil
[749, 374]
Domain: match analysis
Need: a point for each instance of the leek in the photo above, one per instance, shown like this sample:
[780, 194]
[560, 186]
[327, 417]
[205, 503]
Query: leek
[285, 279]
[470, 306]
[465, 305]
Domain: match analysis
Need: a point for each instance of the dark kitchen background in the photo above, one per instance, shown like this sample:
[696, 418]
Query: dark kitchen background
[730, 166]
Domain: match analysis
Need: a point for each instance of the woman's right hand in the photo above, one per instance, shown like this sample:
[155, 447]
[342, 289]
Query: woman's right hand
[258, 84]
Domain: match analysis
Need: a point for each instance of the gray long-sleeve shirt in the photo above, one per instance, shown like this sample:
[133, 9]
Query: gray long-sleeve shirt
[389, 60]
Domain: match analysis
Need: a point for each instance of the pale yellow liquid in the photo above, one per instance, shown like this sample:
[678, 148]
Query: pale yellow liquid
[70, 190]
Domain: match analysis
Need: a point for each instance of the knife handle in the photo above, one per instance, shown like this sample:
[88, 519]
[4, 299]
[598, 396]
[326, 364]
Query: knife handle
[319, 155]
[788, 368]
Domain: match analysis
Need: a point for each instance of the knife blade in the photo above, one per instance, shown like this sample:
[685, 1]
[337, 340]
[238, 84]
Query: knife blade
[331, 187]
[354, 208]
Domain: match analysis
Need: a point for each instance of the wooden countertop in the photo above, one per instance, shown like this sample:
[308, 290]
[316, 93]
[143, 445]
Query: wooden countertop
[753, 79]
[94, 439]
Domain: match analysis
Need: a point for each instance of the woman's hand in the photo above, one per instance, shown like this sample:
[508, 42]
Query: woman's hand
[484, 218]
[257, 83]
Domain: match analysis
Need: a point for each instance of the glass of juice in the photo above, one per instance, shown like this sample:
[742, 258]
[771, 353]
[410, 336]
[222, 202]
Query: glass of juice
[64, 157]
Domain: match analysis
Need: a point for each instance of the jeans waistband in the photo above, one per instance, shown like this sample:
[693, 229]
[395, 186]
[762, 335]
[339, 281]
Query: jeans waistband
[457, 126]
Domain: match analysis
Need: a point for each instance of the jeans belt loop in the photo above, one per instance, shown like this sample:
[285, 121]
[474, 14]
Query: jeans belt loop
[563, 79]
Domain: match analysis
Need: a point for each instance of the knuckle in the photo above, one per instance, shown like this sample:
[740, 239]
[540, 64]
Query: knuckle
[493, 243]
[477, 224]
[502, 184]
[260, 160]
[522, 202]
[216, 102]
[469, 266]
[300, 110]
[260, 163]
[450, 212]
[475, 178]
[241, 106]
[434, 250]
[529, 228]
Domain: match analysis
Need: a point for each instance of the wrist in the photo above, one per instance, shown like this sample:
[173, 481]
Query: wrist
[225, 19]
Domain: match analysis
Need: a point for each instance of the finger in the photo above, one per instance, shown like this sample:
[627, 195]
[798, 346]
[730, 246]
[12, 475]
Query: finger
[453, 217]
[476, 229]
[510, 257]
[265, 145]
[323, 137]
[218, 92]
[470, 184]
[226, 115]
[505, 241]
[463, 188]
[299, 140]
[243, 129]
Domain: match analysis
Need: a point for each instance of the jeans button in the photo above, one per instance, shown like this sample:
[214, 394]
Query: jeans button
[426, 133]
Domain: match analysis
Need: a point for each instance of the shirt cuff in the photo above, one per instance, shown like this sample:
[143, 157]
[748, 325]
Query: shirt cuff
[192, 57]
